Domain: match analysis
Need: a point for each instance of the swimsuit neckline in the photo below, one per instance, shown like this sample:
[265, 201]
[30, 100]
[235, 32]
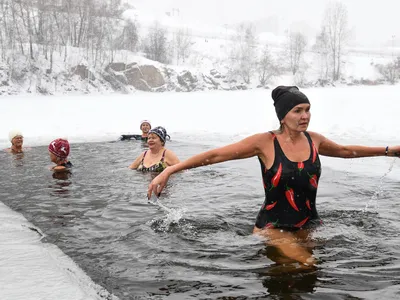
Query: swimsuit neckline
[296, 162]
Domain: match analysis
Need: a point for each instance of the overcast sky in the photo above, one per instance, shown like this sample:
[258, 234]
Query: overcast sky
[372, 21]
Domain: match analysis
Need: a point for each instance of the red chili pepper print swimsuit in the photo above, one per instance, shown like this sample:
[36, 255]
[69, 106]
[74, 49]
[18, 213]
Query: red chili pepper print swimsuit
[290, 191]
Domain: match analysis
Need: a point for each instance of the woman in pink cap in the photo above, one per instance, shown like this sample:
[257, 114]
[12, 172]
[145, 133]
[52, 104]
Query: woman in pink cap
[59, 151]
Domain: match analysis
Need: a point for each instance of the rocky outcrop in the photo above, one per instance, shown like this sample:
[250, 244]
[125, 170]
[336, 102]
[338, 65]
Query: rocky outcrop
[115, 81]
[22, 74]
[152, 79]
[82, 71]
[143, 78]
[187, 81]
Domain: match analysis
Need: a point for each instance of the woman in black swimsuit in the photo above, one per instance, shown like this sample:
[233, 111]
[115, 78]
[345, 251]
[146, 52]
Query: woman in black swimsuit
[290, 166]
[157, 158]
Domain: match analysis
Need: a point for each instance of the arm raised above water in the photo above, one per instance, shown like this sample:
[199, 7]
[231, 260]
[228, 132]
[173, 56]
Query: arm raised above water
[245, 148]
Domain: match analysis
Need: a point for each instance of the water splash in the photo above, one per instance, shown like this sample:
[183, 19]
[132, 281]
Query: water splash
[373, 202]
[173, 216]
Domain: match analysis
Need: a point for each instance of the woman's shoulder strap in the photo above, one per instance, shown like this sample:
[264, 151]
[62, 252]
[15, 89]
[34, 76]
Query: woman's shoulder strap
[163, 155]
[144, 154]
[308, 137]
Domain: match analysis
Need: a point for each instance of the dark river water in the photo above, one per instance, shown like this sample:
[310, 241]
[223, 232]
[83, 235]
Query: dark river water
[196, 242]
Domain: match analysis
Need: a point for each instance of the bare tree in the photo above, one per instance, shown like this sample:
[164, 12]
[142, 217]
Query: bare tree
[296, 46]
[336, 28]
[182, 43]
[29, 28]
[4, 41]
[155, 44]
[391, 71]
[321, 47]
[266, 66]
[243, 56]
[129, 37]
[17, 27]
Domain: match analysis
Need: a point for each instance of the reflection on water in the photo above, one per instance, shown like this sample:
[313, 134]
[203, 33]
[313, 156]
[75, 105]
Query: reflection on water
[304, 282]
[195, 241]
[18, 156]
[18, 159]
[60, 186]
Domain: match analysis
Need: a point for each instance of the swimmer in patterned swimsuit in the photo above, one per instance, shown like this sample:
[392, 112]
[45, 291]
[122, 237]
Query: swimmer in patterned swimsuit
[157, 167]
[157, 158]
[290, 190]
[291, 168]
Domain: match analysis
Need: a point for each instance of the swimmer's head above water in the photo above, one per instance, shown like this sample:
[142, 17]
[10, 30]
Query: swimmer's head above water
[16, 138]
[59, 150]
[145, 126]
[161, 132]
[285, 98]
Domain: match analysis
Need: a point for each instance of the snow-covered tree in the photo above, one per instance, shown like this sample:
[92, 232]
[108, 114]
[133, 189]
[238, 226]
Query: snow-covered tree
[336, 27]
[156, 44]
[243, 54]
[295, 48]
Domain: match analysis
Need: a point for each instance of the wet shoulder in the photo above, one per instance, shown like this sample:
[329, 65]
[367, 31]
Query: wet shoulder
[267, 138]
[264, 136]
[316, 137]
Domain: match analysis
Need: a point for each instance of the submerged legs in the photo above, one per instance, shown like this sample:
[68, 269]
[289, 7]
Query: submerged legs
[290, 244]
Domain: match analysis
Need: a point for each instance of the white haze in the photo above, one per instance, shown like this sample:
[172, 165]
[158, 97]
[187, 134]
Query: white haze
[371, 22]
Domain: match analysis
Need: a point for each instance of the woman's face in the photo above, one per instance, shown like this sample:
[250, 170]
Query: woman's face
[18, 141]
[298, 117]
[53, 158]
[153, 140]
[145, 127]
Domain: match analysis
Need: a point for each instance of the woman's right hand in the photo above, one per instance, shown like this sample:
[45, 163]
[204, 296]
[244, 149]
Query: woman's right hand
[158, 183]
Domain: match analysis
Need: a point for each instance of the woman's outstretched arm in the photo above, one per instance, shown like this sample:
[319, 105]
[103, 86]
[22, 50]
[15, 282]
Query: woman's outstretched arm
[329, 148]
[245, 148]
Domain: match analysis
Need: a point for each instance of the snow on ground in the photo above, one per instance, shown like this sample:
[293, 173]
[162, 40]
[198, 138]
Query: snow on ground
[30, 269]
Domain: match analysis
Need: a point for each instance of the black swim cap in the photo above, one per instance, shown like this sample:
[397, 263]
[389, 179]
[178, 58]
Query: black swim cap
[285, 98]
[161, 132]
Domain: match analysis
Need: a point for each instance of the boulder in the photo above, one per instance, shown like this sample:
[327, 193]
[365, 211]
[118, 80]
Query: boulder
[144, 78]
[82, 71]
[187, 81]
